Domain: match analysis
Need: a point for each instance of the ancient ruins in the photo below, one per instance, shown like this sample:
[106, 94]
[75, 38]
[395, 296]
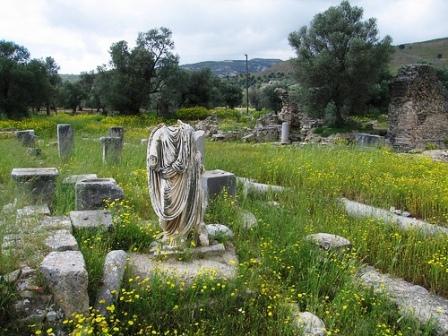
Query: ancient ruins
[418, 111]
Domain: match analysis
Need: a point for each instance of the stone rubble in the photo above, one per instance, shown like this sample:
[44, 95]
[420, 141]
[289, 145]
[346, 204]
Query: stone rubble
[61, 240]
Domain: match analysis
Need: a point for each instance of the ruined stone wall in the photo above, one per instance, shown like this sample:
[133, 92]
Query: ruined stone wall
[418, 111]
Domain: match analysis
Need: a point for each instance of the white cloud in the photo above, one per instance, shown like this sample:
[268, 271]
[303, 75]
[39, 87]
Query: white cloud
[79, 33]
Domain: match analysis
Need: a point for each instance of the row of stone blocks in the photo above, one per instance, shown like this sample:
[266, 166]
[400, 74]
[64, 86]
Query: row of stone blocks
[112, 144]
[39, 185]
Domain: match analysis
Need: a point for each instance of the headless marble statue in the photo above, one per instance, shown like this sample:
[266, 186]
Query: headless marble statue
[174, 173]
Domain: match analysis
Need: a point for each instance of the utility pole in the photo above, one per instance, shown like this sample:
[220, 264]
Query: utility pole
[247, 86]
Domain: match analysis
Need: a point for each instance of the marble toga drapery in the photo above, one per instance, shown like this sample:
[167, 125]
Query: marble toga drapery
[174, 175]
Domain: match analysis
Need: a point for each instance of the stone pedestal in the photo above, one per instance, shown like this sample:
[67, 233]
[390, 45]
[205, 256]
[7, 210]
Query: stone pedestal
[38, 183]
[91, 194]
[285, 133]
[112, 147]
[65, 140]
[215, 181]
[27, 138]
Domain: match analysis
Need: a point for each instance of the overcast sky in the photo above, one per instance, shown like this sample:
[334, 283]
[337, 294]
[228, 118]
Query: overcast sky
[78, 33]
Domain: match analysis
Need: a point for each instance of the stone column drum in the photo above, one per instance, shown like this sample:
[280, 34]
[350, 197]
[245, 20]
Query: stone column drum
[37, 183]
[112, 147]
[285, 133]
[65, 140]
[91, 193]
[27, 137]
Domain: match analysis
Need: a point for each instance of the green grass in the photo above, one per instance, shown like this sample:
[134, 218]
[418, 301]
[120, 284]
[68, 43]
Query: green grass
[276, 264]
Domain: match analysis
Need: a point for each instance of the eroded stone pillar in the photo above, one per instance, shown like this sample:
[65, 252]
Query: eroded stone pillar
[65, 140]
[112, 148]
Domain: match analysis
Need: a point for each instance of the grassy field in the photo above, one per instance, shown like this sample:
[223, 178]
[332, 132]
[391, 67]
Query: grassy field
[276, 265]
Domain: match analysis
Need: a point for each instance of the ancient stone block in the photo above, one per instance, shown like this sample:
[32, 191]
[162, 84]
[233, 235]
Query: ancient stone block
[55, 223]
[418, 111]
[91, 219]
[369, 140]
[112, 147]
[329, 241]
[92, 193]
[215, 181]
[65, 140]
[217, 230]
[61, 240]
[38, 183]
[27, 138]
[114, 267]
[66, 276]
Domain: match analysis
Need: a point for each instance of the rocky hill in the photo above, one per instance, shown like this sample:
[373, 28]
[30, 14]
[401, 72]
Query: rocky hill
[233, 67]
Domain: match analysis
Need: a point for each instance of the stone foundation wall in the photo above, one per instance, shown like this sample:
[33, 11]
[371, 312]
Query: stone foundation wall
[418, 112]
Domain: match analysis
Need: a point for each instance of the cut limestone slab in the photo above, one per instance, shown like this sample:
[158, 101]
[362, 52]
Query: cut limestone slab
[198, 252]
[328, 241]
[411, 300]
[219, 230]
[91, 219]
[114, 267]
[357, 209]
[33, 210]
[61, 240]
[66, 276]
[369, 140]
[73, 179]
[215, 181]
[92, 193]
[38, 183]
[224, 266]
[55, 223]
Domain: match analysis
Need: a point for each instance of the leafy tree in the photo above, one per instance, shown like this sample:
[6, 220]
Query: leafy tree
[71, 95]
[138, 73]
[232, 94]
[14, 99]
[339, 60]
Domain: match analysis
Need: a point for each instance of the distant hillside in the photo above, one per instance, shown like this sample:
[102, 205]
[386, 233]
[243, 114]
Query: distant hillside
[433, 51]
[69, 77]
[233, 67]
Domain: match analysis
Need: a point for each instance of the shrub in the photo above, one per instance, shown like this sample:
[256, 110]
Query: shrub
[225, 113]
[192, 113]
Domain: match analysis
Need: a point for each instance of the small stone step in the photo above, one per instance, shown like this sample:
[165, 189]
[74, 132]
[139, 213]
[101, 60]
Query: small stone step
[55, 223]
[91, 219]
[411, 299]
[61, 240]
